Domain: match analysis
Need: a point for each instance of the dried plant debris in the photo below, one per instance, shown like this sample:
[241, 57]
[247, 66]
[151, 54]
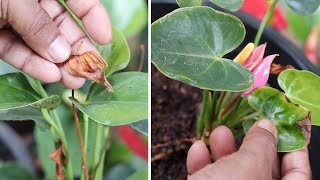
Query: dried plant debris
[89, 65]
[276, 69]
[306, 127]
[59, 158]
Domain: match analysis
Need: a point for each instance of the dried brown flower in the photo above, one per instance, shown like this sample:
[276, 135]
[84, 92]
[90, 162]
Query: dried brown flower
[89, 65]
[59, 158]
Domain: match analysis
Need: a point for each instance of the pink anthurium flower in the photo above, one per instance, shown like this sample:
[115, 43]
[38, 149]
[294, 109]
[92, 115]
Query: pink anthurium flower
[261, 74]
[252, 59]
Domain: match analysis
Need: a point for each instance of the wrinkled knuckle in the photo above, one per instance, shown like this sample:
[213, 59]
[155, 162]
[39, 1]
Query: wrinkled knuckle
[25, 62]
[41, 20]
[7, 47]
[4, 8]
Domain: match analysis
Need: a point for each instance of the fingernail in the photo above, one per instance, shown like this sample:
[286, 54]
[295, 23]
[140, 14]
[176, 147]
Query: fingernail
[59, 50]
[269, 126]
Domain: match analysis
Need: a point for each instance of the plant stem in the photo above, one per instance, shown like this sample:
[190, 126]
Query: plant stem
[85, 134]
[264, 22]
[97, 146]
[83, 153]
[200, 120]
[98, 175]
[58, 128]
[47, 117]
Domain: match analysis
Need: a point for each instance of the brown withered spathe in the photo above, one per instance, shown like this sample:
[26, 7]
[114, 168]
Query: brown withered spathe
[89, 65]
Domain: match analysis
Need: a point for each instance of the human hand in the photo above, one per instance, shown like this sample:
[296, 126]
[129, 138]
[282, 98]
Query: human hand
[256, 159]
[37, 36]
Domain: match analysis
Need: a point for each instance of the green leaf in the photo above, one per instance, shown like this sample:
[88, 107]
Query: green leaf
[14, 171]
[139, 175]
[303, 7]
[141, 126]
[300, 26]
[49, 103]
[116, 54]
[302, 87]
[45, 146]
[189, 3]
[127, 104]
[25, 113]
[247, 124]
[130, 17]
[271, 104]
[16, 92]
[189, 43]
[232, 5]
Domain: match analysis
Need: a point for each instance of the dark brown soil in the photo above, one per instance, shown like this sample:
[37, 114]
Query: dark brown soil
[175, 106]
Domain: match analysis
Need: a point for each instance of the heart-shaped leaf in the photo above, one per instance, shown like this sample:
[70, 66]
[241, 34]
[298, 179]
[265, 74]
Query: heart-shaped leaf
[303, 7]
[128, 103]
[188, 45]
[272, 104]
[117, 54]
[15, 92]
[232, 5]
[302, 87]
[189, 3]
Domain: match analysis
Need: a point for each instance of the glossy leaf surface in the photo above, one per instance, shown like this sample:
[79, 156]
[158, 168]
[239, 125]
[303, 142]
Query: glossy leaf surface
[189, 3]
[16, 92]
[303, 7]
[189, 44]
[232, 5]
[116, 54]
[271, 104]
[127, 104]
[302, 87]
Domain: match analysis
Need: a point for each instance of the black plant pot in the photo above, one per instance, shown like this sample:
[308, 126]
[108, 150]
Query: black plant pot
[277, 44]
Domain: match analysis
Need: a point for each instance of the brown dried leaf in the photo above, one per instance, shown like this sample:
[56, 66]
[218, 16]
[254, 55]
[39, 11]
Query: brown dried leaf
[276, 69]
[306, 127]
[60, 159]
[89, 65]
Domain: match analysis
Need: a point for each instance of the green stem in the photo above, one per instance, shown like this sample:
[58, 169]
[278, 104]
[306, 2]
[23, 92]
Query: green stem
[98, 175]
[264, 22]
[47, 117]
[85, 138]
[97, 146]
[40, 89]
[201, 120]
[58, 128]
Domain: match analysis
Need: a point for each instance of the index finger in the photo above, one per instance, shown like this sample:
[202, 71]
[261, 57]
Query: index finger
[94, 18]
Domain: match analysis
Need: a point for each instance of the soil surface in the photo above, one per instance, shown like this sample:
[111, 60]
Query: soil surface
[175, 106]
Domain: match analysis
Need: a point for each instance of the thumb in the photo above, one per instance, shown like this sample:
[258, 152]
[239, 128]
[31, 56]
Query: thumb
[260, 146]
[36, 28]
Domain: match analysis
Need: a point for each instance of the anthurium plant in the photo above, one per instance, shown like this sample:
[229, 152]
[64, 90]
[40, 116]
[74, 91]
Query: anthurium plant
[73, 126]
[190, 44]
